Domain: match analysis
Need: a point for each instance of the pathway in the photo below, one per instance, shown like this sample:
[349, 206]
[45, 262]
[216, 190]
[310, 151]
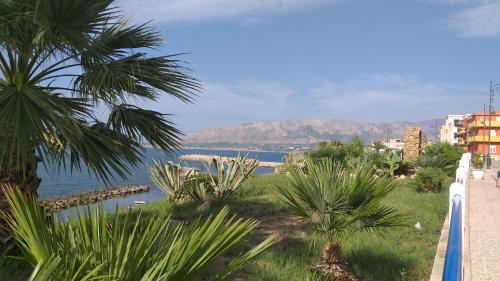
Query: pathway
[484, 228]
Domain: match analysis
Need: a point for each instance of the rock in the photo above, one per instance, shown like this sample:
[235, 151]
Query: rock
[69, 201]
[413, 143]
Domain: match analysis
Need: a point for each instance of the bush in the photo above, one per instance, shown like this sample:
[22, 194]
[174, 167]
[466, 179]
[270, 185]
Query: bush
[338, 153]
[430, 179]
[477, 160]
[406, 168]
[442, 156]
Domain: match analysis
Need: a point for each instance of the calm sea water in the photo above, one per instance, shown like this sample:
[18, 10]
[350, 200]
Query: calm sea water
[59, 184]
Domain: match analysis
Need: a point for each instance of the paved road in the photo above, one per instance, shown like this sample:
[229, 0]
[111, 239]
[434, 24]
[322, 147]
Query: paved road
[484, 228]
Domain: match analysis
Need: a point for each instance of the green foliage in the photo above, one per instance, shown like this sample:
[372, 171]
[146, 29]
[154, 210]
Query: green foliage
[392, 162]
[338, 151]
[430, 179]
[97, 245]
[334, 153]
[378, 145]
[168, 178]
[335, 200]
[372, 257]
[477, 160]
[442, 156]
[386, 164]
[356, 148]
[230, 175]
[406, 167]
[58, 60]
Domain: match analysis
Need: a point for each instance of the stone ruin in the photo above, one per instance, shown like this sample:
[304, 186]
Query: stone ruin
[413, 143]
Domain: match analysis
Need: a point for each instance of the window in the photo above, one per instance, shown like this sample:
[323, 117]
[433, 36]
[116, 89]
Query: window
[493, 133]
[493, 149]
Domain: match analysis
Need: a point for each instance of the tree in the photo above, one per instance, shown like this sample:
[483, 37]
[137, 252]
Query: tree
[60, 61]
[97, 245]
[378, 145]
[336, 200]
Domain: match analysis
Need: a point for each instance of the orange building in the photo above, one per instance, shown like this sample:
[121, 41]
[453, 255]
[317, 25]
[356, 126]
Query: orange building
[479, 131]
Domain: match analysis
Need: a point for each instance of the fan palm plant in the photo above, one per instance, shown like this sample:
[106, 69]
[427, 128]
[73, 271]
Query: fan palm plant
[61, 59]
[96, 245]
[336, 200]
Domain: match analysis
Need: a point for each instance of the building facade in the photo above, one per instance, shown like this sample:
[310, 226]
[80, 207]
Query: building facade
[481, 134]
[449, 131]
[395, 144]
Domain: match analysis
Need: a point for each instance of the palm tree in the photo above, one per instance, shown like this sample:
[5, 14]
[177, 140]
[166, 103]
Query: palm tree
[336, 200]
[63, 64]
[378, 145]
[97, 245]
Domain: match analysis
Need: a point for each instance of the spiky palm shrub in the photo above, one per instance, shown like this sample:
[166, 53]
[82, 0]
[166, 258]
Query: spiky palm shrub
[61, 59]
[168, 178]
[98, 245]
[230, 175]
[336, 200]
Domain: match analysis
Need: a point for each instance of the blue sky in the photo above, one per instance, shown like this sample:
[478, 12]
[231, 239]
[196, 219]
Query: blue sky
[363, 60]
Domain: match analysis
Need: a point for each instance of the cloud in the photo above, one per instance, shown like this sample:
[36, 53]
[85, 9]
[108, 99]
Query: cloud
[230, 103]
[391, 97]
[164, 11]
[371, 98]
[477, 20]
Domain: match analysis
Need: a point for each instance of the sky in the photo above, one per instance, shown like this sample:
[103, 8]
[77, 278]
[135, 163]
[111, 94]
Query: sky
[361, 60]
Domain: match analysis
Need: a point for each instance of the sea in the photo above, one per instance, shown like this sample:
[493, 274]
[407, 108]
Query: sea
[59, 183]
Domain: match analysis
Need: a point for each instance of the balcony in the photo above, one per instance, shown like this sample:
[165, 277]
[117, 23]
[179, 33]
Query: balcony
[483, 138]
[480, 124]
[461, 142]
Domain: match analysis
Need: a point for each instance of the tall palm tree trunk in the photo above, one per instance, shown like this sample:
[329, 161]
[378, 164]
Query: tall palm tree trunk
[27, 181]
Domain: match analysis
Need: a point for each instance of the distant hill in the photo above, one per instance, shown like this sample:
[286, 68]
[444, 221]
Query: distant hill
[305, 132]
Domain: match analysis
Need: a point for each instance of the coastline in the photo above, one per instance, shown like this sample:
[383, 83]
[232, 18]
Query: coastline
[55, 204]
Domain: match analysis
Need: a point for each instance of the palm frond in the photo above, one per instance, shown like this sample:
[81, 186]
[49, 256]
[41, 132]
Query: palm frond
[95, 244]
[138, 123]
[335, 199]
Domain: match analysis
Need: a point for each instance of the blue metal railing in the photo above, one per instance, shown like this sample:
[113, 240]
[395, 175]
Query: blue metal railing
[453, 264]
[453, 259]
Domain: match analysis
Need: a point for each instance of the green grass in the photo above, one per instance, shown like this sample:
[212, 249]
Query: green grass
[399, 254]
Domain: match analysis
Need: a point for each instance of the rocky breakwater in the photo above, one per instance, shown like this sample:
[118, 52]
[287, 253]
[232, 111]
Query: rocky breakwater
[65, 202]
[208, 158]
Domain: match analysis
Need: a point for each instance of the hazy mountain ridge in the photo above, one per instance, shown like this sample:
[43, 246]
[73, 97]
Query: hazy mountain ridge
[306, 131]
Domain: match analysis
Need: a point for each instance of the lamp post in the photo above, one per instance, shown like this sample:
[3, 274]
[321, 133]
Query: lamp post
[493, 88]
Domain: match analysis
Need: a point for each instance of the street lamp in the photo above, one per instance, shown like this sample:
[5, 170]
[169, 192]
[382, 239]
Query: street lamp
[493, 88]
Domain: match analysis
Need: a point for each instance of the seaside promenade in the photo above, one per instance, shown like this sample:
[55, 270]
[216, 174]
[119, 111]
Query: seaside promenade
[484, 228]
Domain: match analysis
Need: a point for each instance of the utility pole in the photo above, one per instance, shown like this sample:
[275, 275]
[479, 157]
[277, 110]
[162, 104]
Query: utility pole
[437, 131]
[490, 111]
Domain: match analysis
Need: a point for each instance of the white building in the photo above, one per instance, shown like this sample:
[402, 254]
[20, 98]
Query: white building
[395, 144]
[449, 130]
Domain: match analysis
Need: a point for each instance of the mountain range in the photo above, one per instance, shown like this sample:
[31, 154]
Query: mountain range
[306, 132]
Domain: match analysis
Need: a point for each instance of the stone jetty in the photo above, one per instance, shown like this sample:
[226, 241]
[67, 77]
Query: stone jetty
[208, 158]
[65, 202]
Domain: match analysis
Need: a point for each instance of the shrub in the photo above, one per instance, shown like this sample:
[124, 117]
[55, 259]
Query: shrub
[477, 160]
[97, 245]
[168, 178]
[430, 179]
[406, 167]
[443, 156]
[338, 201]
[335, 153]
